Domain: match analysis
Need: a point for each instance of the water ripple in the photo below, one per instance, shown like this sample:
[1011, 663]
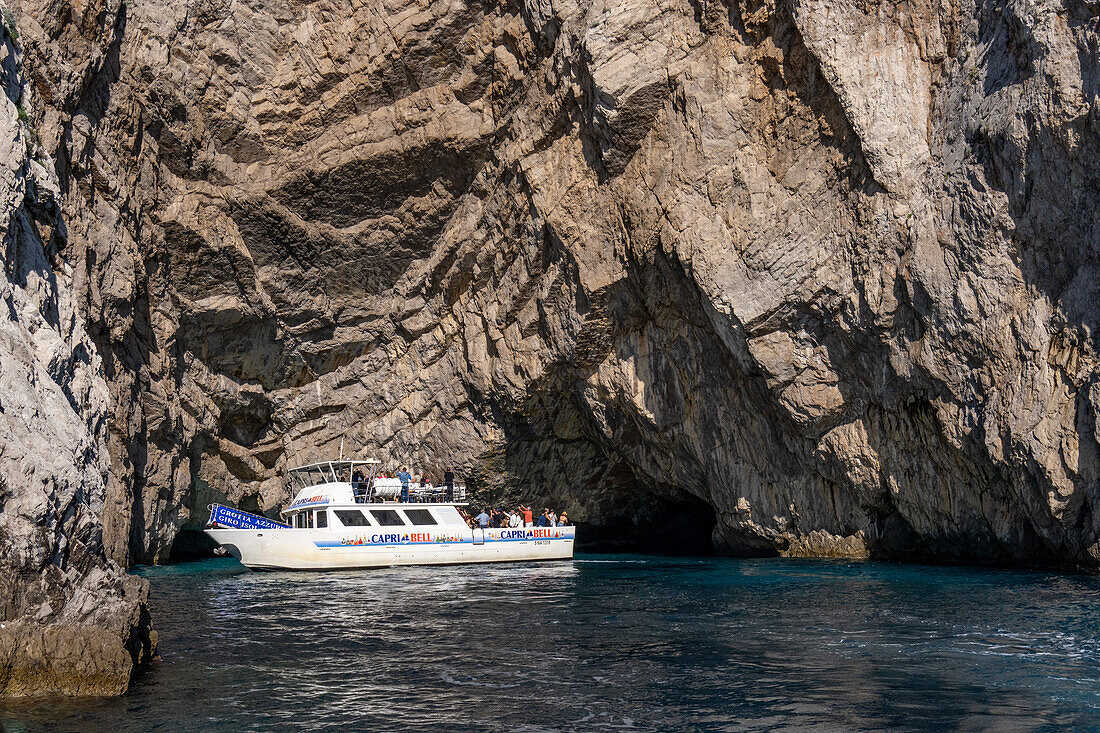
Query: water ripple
[610, 643]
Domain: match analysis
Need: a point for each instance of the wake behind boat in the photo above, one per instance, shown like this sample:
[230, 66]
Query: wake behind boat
[337, 522]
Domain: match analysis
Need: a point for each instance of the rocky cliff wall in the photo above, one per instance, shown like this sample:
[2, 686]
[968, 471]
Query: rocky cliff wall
[823, 274]
[71, 621]
[826, 270]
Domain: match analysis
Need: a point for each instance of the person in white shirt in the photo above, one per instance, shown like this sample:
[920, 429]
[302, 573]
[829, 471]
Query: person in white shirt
[514, 520]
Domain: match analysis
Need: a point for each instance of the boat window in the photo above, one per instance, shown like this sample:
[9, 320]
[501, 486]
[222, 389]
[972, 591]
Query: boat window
[449, 515]
[322, 519]
[420, 516]
[352, 518]
[387, 518]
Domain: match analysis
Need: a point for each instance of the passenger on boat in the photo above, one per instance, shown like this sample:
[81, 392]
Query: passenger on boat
[528, 516]
[563, 520]
[482, 519]
[514, 519]
[499, 518]
[405, 477]
[552, 517]
[449, 485]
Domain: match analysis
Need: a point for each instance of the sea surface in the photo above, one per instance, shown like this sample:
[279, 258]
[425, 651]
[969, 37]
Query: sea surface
[609, 642]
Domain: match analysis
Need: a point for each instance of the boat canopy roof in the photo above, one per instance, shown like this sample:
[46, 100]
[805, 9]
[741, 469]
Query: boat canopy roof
[324, 472]
[336, 465]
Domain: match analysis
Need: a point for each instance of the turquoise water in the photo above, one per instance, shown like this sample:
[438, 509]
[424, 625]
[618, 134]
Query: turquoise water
[610, 642]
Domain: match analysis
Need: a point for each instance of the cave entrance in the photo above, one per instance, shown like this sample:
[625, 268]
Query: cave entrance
[191, 544]
[655, 525]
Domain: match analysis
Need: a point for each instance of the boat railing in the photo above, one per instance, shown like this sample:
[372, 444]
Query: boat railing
[431, 494]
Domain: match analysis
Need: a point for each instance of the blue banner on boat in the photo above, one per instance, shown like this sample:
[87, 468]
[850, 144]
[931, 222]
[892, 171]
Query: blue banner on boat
[223, 516]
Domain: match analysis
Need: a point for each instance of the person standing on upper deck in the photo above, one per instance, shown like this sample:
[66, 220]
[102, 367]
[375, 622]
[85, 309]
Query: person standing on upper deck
[449, 485]
[405, 477]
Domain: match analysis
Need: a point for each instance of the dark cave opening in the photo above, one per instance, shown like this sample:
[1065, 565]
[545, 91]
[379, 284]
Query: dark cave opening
[681, 526]
[191, 544]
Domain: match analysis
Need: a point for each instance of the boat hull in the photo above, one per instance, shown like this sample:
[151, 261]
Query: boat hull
[319, 549]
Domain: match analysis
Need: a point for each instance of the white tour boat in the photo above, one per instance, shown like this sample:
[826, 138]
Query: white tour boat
[337, 523]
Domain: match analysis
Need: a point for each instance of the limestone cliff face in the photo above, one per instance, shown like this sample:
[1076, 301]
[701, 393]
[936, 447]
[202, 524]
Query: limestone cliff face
[828, 267]
[71, 621]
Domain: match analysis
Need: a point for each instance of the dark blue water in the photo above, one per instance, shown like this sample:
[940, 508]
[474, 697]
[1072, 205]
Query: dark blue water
[610, 642]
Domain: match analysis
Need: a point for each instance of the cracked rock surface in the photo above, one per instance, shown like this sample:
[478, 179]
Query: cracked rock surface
[71, 621]
[825, 267]
[825, 271]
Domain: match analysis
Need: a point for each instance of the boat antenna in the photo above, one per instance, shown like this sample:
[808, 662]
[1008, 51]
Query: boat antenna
[341, 456]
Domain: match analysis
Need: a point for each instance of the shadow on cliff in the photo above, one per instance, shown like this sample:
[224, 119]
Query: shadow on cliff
[1040, 154]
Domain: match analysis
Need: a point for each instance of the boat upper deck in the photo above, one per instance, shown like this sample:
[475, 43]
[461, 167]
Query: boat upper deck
[336, 483]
